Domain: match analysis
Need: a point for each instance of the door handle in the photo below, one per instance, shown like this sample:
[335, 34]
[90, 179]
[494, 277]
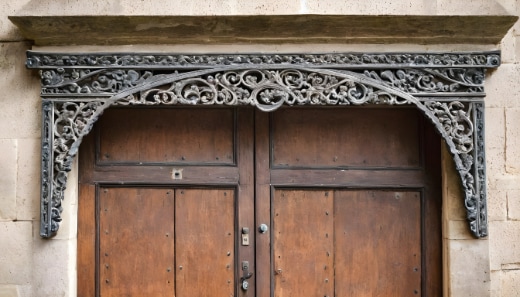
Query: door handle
[246, 275]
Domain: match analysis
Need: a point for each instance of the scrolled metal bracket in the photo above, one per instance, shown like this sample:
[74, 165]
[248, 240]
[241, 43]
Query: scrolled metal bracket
[448, 88]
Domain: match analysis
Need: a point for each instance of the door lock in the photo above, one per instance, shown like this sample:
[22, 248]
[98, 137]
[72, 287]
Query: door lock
[247, 275]
[245, 236]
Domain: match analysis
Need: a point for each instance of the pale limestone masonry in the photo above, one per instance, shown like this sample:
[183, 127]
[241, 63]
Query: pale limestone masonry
[33, 267]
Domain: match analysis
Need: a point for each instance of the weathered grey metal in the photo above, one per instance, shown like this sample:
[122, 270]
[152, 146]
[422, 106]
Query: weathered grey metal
[451, 98]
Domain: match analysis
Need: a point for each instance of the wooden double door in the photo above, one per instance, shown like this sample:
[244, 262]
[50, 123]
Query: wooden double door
[236, 202]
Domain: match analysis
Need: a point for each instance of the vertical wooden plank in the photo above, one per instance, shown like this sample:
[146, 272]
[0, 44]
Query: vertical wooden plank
[204, 239]
[136, 242]
[246, 192]
[303, 243]
[86, 241]
[432, 212]
[377, 243]
[262, 205]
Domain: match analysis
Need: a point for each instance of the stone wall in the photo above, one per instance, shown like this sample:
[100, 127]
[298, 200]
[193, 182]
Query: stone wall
[31, 266]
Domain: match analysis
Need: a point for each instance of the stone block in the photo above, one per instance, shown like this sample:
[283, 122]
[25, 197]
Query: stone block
[54, 267]
[9, 291]
[362, 7]
[495, 163]
[28, 181]
[508, 5]
[19, 99]
[513, 140]
[8, 168]
[8, 31]
[474, 7]
[502, 87]
[495, 283]
[508, 48]
[510, 283]
[163, 7]
[469, 273]
[497, 205]
[16, 253]
[504, 243]
[504, 182]
[495, 128]
[513, 205]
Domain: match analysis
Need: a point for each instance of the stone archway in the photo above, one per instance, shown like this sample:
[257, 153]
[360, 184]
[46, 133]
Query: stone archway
[446, 88]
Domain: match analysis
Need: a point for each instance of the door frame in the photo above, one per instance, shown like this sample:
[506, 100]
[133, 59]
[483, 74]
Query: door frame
[448, 88]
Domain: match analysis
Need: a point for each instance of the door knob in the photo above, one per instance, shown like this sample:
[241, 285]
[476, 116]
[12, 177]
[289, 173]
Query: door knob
[263, 228]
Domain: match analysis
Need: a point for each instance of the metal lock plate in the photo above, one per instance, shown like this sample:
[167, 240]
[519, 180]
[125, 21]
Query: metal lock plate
[245, 236]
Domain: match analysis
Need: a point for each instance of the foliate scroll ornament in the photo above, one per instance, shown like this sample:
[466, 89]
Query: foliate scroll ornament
[64, 125]
[57, 60]
[446, 88]
[464, 135]
[266, 89]
[87, 81]
[431, 81]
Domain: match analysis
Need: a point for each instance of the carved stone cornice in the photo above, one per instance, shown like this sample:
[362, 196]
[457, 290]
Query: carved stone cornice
[447, 88]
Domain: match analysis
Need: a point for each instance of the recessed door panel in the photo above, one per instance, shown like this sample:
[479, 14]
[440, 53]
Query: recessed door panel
[204, 238]
[303, 243]
[377, 237]
[136, 242]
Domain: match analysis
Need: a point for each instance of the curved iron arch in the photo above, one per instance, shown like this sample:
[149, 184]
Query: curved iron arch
[75, 96]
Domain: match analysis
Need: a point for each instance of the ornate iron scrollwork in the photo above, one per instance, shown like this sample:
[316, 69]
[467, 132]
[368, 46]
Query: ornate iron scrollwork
[447, 88]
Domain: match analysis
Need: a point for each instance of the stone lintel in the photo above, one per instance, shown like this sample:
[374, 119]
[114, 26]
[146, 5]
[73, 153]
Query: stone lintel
[299, 28]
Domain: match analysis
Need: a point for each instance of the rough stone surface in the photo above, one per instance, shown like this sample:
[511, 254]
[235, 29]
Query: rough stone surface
[469, 268]
[233, 7]
[495, 133]
[16, 253]
[510, 283]
[513, 206]
[8, 158]
[504, 247]
[9, 291]
[264, 29]
[513, 140]
[54, 267]
[502, 88]
[497, 205]
[9, 32]
[19, 99]
[28, 180]
[482, 6]
[508, 48]
[495, 162]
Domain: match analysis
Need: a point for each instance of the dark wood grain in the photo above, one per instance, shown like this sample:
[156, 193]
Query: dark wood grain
[182, 136]
[86, 241]
[357, 137]
[377, 243]
[303, 230]
[136, 242]
[205, 246]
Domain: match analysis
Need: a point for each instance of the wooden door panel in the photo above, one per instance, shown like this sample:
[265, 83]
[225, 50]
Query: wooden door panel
[204, 237]
[136, 242]
[180, 136]
[377, 243]
[355, 137]
[303, 243]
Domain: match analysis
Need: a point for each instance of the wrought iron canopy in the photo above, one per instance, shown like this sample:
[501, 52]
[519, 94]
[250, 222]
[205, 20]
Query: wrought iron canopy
[448, 88]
